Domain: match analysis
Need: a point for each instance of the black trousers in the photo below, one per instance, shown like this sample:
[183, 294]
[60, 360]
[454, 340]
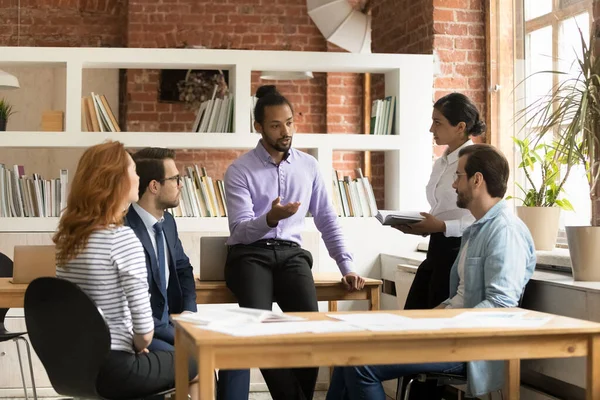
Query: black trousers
[430, 287]
[134, 376]
[260, 273]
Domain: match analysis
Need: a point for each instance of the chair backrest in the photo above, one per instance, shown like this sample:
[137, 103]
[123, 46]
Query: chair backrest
[6, 271]
[68, 333]
[6, 266]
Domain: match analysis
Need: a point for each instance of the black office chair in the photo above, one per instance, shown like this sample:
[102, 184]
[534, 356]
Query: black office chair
[6, 271]
[443, 379]
[69, 334]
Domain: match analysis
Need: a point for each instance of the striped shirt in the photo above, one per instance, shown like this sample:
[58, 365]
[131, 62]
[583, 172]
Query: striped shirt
[111, 270]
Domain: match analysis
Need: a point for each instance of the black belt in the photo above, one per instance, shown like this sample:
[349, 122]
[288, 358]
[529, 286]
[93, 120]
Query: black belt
[276, 242]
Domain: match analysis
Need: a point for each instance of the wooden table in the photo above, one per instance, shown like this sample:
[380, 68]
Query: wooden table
[329, 288]
[560, 337]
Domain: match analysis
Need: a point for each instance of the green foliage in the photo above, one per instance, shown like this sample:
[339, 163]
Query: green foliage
[6, 110]
[570, 114]
[549, 162]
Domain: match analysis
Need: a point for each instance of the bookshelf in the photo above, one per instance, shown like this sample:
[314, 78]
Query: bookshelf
[407, 151]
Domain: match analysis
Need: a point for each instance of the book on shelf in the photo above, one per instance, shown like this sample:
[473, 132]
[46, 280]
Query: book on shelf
[23, 196]
[387, 217]
[97, 115]
[253, 100]
[353, 197]
[215, 115]
[383, 112]
[235, 316]
[200, 195]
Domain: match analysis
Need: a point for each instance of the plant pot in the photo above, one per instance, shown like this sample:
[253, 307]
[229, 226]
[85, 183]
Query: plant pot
[542, 223]
[585, 252]
[3, 125]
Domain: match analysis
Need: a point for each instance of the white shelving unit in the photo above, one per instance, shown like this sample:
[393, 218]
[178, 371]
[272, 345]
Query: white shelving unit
[408, 77]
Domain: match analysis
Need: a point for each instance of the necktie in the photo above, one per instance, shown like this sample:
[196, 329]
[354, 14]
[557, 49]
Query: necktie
[160, 250]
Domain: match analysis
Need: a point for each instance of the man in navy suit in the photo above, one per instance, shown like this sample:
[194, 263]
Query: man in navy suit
[170, 274]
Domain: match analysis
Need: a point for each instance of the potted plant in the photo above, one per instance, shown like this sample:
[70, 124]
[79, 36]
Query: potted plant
[571, 115]
[5, 112]
[541, 203]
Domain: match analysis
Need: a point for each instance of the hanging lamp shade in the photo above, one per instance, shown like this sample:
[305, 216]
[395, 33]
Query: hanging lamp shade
[342, 25]
[8, 81]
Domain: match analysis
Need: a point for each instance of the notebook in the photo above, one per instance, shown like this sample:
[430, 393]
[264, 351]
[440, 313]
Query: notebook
[398, 217]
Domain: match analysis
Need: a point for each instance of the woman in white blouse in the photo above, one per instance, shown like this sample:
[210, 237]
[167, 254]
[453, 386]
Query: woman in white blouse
[106, 260]
[455, 120]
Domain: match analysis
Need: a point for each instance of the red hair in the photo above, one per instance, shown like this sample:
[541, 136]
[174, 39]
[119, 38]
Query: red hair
[97, 192]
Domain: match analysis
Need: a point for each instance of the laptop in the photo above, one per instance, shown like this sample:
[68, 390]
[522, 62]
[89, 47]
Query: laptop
[213, 254]
[31, 262]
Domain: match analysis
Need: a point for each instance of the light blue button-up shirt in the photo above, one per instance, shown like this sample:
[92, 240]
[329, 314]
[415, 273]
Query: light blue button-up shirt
[253, 181]
[499, 261]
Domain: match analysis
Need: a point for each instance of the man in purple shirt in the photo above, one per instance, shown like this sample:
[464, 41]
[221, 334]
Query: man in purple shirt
[269, 191]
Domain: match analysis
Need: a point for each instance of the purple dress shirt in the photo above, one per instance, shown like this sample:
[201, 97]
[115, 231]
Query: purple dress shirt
[253, 181]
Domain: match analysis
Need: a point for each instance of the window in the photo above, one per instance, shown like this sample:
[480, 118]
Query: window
[551, 41]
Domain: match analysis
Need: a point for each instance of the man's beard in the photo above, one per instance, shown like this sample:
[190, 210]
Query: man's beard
[166, 204]
[279, 146]
[462, 200]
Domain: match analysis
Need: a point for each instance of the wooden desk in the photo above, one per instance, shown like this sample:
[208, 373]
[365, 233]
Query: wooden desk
[561, 337]
[329, 288]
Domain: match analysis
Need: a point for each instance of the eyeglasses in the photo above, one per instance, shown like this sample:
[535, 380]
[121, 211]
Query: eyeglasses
[458, 174]
[176, 178]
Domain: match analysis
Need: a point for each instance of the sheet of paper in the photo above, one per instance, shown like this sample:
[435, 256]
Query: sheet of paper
[261, 329]
[492, 314]
[365, 319]
[498, 319]
[413, 324]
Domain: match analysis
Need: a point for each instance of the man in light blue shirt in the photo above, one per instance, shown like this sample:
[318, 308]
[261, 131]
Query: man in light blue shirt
[495, 262]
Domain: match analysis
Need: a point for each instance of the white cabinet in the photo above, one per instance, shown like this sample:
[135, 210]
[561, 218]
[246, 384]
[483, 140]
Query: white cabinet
[405, 274]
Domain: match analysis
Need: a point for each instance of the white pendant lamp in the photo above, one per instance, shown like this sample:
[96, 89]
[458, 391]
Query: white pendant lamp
[8, 81]
[341, 24]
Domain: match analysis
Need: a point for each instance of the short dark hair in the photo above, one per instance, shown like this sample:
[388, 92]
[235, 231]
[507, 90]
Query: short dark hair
[491, 163]
[268, 96]
[150, 165]
[457, 108]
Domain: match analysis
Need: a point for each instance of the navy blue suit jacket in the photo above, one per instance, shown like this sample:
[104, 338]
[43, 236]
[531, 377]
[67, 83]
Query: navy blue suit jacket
[181, 292]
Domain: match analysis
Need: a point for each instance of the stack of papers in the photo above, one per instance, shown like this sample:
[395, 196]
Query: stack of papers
[392, 322]
[235, 316]
[247, 322]
[260, 329]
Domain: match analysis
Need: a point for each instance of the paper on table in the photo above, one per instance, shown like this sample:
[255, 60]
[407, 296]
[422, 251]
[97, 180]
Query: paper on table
[498, 319]
[363, 319]
[235, 316]
[491, 314]
[259, 329]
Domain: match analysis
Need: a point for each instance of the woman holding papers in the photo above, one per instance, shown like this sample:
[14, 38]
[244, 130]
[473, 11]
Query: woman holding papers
[454, 120]
[106, 260]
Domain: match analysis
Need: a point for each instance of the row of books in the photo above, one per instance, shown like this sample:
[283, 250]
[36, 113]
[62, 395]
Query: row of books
[382, 116]
[23, 196]
[97, 115]
[215, 115]
[353, 197]
[200, 195]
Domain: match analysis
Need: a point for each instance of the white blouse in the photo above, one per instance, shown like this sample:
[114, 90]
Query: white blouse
[442, 197]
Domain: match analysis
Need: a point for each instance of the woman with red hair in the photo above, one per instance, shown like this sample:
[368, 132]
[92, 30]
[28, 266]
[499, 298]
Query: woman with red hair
[106, 260]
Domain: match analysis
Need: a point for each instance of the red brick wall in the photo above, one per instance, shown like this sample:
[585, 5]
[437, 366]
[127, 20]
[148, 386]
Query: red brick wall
[240, 24]
[399, 26]
[459, 42]
[65, 23]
